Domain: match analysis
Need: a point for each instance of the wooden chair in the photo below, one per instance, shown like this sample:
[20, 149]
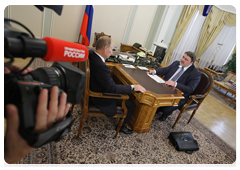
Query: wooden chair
[88, 109]
[97, 36]
[198, 95]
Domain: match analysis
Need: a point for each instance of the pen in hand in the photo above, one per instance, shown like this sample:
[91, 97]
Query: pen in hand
[148, 72]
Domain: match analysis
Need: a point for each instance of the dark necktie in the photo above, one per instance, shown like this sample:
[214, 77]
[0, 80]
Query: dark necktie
[176, 77]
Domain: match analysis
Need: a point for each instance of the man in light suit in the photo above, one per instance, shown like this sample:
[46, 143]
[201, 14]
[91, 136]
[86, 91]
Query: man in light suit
[182, 75]
[101, 81]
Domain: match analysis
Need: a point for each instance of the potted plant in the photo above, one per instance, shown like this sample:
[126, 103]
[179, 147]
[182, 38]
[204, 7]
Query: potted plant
[231, 64]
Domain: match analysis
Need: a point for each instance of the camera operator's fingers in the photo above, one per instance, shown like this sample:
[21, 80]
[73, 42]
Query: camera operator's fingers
[15, 147]
[42, 112]
[62, 107]
[27, 70]
[53, 106]
[13, 68]
[12, 119]
[6, 70]
[67, 109]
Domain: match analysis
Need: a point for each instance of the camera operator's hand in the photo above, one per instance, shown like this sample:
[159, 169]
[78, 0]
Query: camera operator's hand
[15, 147]
[14, 69]
[45, 117]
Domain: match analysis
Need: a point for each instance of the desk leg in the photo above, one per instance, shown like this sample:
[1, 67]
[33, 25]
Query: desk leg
[142, 117]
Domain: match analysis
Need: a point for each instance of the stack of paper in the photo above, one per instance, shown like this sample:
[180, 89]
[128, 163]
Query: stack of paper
[126, 58]
[156, 78]
[142, 68]
[128, 66]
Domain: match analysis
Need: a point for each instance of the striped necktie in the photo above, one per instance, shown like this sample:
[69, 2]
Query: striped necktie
[176, 77]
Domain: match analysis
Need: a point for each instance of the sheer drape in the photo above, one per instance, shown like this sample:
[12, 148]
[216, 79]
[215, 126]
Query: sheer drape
[182, 26]
[190, 38]
[214, 23]
[227, 37]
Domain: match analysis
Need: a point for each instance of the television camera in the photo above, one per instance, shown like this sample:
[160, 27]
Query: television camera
[23, 90]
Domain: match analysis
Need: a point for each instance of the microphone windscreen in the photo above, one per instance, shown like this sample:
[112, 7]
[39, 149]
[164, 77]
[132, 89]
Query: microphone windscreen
[60, 50]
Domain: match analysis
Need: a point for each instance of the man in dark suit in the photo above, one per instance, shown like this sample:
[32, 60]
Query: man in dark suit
[182, 75]
[101, 81]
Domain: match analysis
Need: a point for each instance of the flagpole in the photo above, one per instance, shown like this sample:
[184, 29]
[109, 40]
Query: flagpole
[79, 38]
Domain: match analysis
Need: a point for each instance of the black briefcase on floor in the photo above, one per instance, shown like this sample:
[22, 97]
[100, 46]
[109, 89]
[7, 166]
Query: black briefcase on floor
[183, 141]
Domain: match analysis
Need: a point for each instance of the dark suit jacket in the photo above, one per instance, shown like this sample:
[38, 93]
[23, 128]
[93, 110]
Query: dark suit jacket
[188, 80]
[101, 81]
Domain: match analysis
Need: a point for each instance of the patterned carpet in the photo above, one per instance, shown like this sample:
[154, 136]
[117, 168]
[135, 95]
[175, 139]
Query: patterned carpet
[97, 146]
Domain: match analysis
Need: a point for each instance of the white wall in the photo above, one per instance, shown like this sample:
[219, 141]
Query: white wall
[29, 16]
[166, 23]
[112, 20]
[142, 24]
[67, 25]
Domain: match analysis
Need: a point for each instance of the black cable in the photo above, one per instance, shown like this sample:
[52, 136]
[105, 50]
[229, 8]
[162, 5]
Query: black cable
[11, 58]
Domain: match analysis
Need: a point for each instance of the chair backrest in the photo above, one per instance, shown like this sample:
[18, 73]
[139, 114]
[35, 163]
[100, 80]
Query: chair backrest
[97, 36]
[196, 63]
[205, 83]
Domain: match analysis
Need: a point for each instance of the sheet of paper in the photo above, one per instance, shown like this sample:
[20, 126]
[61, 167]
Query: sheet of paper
[156, 78]
[142, 68]
[128, 66]
[123, 56]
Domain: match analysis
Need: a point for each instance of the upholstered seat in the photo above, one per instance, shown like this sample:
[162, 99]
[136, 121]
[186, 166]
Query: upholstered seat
[198, 95]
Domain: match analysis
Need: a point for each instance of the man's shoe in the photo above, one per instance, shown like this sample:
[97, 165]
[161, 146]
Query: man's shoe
[125, 130]
[162, 118]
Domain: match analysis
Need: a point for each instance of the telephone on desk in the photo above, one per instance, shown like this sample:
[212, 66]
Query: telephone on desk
[149, 52]
[112, 59]
[141, 54]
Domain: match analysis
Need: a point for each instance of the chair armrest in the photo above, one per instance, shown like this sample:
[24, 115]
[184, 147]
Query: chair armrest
[108, 95]
[112, 94]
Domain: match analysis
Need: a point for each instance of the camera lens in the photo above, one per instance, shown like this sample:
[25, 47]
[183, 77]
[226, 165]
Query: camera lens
[49, 75]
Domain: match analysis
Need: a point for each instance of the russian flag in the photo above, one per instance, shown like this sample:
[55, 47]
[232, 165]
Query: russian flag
[206, 10]
[87, 25]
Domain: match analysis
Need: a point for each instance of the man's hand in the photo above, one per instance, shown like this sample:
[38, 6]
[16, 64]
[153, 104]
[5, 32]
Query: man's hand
[139, 88]
[15, 147]
[152, 72]
[14, 69]
[170, 83]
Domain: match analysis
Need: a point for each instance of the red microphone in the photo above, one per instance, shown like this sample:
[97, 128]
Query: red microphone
[49, 49]
[60, 50]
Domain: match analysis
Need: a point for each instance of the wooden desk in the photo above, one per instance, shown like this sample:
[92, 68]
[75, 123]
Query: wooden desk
[146, 104]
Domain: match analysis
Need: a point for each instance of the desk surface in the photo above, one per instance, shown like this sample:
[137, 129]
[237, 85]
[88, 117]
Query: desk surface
[148, 83]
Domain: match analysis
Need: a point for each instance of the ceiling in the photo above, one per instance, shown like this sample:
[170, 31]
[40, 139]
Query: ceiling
[228, 8]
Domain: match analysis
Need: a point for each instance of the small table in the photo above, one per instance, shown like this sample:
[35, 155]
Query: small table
[216, 74]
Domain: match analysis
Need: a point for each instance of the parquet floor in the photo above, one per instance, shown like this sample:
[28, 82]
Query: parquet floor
[218, 118]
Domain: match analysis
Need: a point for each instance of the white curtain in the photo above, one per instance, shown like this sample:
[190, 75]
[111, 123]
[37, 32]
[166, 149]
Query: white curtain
[222, 48]
[190, 38]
